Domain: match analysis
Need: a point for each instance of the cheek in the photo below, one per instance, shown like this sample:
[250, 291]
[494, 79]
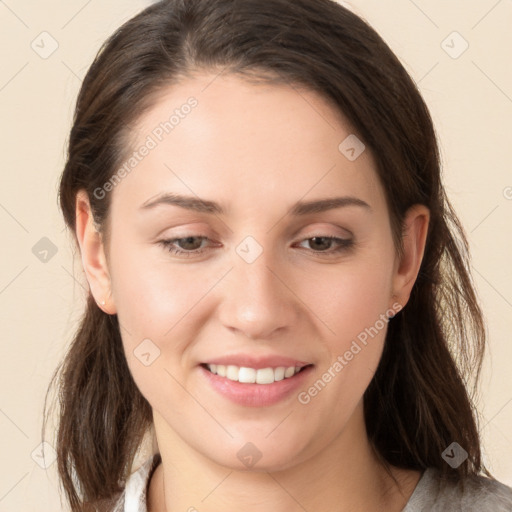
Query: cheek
[150, 298]
[356, 310]
[164, 302]
[355, 297]
[155, 309]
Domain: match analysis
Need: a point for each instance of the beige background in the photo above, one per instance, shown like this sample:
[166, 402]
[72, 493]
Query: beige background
[470, 98]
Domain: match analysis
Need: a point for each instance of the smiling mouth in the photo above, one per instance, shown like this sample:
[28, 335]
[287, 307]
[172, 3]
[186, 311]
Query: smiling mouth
[247, 375]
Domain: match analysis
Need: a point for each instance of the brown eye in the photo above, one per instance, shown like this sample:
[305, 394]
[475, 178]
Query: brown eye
[322, 244]
[190, 247]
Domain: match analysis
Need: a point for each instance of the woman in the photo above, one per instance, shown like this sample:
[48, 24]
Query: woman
[275, 274]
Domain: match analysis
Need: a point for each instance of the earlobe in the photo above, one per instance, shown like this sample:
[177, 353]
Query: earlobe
[414, 239]
[93, 255]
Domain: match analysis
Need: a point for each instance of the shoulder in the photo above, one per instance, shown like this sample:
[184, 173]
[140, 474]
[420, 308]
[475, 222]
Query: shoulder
[475, 493]
[134, 495]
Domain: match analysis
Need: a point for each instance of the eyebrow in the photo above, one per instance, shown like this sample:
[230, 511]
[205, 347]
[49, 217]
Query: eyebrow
[204, 206]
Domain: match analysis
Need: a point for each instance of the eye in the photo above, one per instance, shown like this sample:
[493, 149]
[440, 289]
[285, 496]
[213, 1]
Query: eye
[192, 248]
[170, 245]
[322, 241]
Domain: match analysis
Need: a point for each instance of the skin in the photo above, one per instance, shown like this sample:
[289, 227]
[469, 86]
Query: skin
[256, 149]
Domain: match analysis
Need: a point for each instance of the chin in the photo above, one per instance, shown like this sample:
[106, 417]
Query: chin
[260, 456]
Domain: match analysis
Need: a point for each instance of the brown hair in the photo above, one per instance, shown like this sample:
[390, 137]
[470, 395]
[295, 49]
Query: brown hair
[420, 399]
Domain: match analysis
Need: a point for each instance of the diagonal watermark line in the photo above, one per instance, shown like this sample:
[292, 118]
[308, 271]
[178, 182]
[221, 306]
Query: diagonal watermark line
[213, 79]
[76, 14]
[14, 218]
[14, 423]
[282, 421]
[428, 72]
[13, 13]
[12, 280]
[290, 83]
[13, 486]
[123, 327]
[293, 87]
[286, 491]
[13, 77]
[502, 296]
[218, 485]
[222, 70]
[486, 14]
[300, 299]
[494, 416]
[487, 216]
[76, 280]
[424, 13]
[304, 195]
[198, 301]
[495, 427]
[71, 70]
[165, 165]
[200, 404]
[232, 267]
[492, 81]
[257, 47]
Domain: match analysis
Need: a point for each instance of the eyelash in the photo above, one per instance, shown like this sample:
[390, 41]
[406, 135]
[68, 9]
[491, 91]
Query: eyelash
[344, 244]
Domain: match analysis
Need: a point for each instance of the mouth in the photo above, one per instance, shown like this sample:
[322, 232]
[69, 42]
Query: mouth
[256, 387]
[247, 375]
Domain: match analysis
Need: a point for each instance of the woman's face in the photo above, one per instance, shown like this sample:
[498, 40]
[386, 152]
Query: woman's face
[263, 291]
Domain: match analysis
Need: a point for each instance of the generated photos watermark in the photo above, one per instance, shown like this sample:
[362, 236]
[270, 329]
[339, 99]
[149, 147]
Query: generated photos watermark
[152, 140]
[357, 345]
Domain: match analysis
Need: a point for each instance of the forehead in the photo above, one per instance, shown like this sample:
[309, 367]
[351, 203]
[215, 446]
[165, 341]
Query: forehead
[224, 138]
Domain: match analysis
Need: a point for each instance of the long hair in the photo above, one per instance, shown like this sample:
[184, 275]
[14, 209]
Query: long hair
[422, 396]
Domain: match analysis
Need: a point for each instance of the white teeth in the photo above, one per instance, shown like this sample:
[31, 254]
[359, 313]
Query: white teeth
[279, 373]
[251, 375]
[232, 372]
[247, 375]
[289, 372]
[265, 376]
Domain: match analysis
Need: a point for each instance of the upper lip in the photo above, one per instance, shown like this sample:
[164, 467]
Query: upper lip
[256, 362]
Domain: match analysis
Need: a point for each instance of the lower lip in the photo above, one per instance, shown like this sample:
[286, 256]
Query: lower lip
[256, 395]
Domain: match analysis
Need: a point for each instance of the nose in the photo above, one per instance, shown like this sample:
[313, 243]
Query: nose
[258, 301]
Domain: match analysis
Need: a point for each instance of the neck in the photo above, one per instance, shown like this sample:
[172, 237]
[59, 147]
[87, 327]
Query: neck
[344, 476]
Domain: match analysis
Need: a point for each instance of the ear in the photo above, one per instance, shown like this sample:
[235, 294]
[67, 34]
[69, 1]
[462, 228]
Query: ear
[413, 238]
[92, 251]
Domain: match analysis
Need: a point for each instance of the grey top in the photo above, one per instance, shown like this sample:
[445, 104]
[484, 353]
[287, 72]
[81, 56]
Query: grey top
[480, 494]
